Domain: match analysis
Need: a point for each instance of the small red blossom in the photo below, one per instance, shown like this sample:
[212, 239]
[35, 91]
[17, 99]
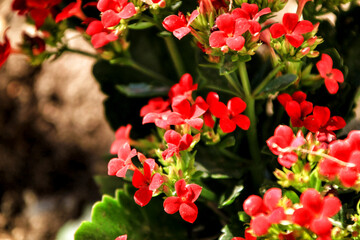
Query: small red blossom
[100, 36]
[119, 166]
[5, 49]
[146, 182]
[251, 13]
[183, 89]
[73, 9]
[185, 113]
[296, 107]
[230, 114]
[35, 44]
[211, 98]
[184, 202]
[155, 105]
[160, 119]
[292, 28]
[348, 152]
[176, 143]
[122, 237]
[283, 138]
[178, 24]
[331, 75]
[320, 121]
[115, 10]
[122, 136]
[230, 32]
[315, 212]
[264, 211]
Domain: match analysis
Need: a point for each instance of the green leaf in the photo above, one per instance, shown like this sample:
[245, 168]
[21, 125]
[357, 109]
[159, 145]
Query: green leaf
[108, 184]
[141, 25]
[243, 217]
[141, 90]
[113, 217]
[227, 235]
[235, 193]
[279, 83]
[292, 196]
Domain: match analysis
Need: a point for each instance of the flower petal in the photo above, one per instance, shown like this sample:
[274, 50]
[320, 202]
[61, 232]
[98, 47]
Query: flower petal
[290, 20]
[156, 181]
[171, 205]
[181, 32]
[227, 125]
[188, 211]
[142, 196]
[235, 43]
[295, 39]
[128, 11]
[303, 27]
[217, 39]
[226, 23]
[277, 30]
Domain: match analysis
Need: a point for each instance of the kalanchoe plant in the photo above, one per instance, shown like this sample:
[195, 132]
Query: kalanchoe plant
[204, 97]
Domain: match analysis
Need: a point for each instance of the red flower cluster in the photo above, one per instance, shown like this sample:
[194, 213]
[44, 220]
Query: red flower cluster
[292, 28]
[313, 213]
[184, 201]
[176, 143]
[331, 75]
[233, 26]
[187, 111]
[347, 166]
[39, 10]
[318, 122]
[283, 138]
[112, 11]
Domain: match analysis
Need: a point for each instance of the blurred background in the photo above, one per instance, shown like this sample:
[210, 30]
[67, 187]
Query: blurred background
[53, 136]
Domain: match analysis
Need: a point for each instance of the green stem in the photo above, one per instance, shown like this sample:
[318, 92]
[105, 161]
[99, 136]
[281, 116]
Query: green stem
[80, 52]
[234, 84]
[175, 56]
[150, 73]
[257, 167]
[267, 79]
[221, 90]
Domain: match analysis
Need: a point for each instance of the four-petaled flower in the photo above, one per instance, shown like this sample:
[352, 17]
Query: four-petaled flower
[73, 9]
[283, 138]
[331, 75]
[176, 143]
[251, 13]
[155, 105]
[184, 202]
[178, 24]
[119, 166]
[230, 115]
[316, 211]
[292, 29]
[146, 182]
[183, 89]
[100, 36]
[296, 107]
[115, 10]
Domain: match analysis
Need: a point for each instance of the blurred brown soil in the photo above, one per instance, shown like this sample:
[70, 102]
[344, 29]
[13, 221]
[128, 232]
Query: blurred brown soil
[53, 136]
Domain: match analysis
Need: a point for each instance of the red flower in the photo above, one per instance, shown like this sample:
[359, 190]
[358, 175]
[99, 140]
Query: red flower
[115, 10]
[183, 89]
[211, 98]
[122, 237]
[176, 143]
[178, 24]
[184, 202]
[315, 212]
[160, 119]
[147, 183]
[35, 44]
[292, 28]
[119, 166]
[155, 105]
[264, 212]
[184, 113]
[296, 107]
[5, 49]
[320, 121]
[230, 32]
[347, 151]
[73, 9]
[230, 115]
[122, 136]
[99, 35]
[283, 138]
[251, 13]
[331, 75]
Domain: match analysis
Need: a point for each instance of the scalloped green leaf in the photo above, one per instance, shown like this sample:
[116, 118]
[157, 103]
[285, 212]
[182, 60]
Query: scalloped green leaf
[113, 217]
